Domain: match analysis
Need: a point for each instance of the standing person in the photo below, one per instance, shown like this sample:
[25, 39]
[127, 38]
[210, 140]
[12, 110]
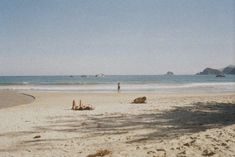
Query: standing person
[119, 87]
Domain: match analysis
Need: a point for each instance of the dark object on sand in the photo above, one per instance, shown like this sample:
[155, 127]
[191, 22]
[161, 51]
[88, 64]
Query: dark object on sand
[220, 75]
[38, 136]
[100, 153]
[81, 106]
[139, 100]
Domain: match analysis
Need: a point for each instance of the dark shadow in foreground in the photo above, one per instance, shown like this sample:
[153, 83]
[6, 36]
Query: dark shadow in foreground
[179, 121]
[170, 124]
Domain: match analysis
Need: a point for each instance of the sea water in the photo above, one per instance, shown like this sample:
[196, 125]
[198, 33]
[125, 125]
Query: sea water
[129, 83]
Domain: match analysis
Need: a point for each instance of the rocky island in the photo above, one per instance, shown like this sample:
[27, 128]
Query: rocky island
[227, 70]
[169, 73]
[210, 71]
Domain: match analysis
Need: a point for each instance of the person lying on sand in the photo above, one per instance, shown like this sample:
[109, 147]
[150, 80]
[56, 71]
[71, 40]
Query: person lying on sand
[81, 106]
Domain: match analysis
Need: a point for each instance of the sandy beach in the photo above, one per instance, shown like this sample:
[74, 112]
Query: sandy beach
[114, 78]
[167, 125]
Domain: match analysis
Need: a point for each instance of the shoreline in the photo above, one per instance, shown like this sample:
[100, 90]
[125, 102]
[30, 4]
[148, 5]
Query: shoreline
[187, 87]
[11, 98]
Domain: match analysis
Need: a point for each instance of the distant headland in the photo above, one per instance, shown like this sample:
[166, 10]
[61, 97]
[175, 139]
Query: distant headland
[210, 71]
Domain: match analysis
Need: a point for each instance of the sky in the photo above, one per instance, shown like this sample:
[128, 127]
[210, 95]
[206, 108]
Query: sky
[72, 37]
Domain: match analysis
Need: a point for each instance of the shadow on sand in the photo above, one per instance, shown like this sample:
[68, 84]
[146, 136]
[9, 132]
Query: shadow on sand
[170, 124]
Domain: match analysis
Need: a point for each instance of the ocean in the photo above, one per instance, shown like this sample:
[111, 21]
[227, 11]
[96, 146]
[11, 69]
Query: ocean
[129, 83]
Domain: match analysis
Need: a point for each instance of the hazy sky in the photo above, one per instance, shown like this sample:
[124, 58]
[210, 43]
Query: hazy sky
[40, 37]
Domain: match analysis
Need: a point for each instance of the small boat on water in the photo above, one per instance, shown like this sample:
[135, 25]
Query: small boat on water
[84, 76]
[99, 75]
[220, 75]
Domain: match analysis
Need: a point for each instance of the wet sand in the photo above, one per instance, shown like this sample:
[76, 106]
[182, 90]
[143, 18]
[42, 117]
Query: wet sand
[10, 98]
[167, 125]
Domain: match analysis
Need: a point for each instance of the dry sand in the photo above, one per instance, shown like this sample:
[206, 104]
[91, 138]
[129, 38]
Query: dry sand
[167, 125]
